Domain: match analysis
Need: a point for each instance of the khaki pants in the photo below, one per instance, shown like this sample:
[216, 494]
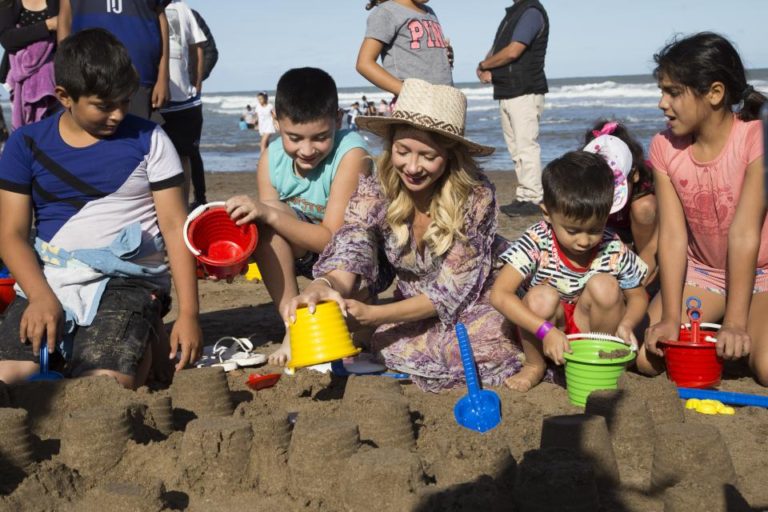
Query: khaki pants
[520, 124]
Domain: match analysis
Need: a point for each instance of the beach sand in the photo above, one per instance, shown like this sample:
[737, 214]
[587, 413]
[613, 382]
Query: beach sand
[365, 443]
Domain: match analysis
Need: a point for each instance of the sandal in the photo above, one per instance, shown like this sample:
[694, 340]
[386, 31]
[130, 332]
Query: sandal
[231, 353]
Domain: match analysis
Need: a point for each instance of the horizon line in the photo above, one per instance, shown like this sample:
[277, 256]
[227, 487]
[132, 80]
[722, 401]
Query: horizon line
[585, 77]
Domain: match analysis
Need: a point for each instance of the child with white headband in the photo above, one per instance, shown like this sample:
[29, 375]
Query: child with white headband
[635, 219]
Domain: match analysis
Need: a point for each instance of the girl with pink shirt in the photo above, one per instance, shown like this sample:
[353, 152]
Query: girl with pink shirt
[708, 173]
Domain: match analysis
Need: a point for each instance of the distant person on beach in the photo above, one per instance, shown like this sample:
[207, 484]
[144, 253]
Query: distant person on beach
[265, 115]
[634, 216]
[249, 116]
[143, 29]
[708, 174]
[568, 274]
[305, 179]
[431, 214]
[183, 114]
[28, 35]
[515, 66]
[352, 114]
[408, 38]
[105, 189]
[383, 109]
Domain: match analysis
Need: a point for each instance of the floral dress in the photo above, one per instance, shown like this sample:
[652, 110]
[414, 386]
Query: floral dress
[458, 284]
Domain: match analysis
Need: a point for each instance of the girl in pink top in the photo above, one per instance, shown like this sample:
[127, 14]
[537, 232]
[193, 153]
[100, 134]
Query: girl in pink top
[708, 172]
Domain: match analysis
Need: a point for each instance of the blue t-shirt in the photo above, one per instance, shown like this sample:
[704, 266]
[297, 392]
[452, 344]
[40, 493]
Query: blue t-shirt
[83, 197]
[528, 27]
[310, 194]
[133, 22]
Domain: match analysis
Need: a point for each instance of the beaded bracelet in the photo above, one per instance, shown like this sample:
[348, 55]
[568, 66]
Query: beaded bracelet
[543, 329]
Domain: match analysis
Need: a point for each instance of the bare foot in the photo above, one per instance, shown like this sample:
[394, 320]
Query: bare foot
[528, 378]
[282, 355]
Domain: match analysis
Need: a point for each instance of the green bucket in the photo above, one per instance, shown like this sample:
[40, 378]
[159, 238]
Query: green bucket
[586, 371]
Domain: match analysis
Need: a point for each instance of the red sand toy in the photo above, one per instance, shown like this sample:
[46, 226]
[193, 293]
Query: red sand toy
[692, 360]
[220, 246]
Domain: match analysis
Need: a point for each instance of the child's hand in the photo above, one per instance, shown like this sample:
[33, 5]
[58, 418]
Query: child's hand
[160, 94]
[42, 320]
[186, 333]
[625, 332]
[661, 331]
[733, 342]
[243, 209]
[362, 313]
[316, 292]
[555, 344]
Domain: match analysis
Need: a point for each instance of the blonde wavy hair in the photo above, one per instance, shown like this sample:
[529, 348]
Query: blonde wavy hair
[447, 206]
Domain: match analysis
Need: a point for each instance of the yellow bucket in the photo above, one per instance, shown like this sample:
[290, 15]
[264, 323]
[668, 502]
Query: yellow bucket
[320, 337]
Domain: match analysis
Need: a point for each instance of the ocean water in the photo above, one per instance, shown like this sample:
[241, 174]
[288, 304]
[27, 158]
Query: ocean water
[571, 106]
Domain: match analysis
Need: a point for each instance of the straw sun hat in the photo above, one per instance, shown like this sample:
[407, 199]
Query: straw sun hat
[441, 109]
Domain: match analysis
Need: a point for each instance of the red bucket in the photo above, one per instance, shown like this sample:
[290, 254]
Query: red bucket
[7, 293]
[693, 363]
[220, 246]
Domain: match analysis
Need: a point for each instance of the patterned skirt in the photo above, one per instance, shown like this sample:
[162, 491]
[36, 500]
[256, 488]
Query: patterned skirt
[428, 349]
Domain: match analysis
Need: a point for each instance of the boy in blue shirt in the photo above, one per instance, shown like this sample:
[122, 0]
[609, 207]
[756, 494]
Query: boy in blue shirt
[305, 180]
[142, 27]
[105, 190]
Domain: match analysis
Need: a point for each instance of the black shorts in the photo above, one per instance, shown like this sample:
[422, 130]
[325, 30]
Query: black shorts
[184, 128]
[129, 313]
[141, 105]
[303, 265]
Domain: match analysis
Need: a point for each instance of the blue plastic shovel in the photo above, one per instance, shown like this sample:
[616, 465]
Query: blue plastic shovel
[724, 396]
[44, 373]
[481, 409]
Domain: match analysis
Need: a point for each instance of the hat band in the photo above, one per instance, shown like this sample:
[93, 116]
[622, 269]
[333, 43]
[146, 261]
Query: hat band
[427, 122]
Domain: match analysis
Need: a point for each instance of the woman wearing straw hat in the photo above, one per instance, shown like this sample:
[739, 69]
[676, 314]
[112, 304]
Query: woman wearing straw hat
[433, 214]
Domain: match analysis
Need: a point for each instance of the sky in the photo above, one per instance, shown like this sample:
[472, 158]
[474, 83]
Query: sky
[260, 39]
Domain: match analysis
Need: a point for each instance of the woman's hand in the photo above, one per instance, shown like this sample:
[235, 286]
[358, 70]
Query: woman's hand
[362, 313]
[555, 343]
[317, 291]
[733, 342]
[243, 209]
[661, 331]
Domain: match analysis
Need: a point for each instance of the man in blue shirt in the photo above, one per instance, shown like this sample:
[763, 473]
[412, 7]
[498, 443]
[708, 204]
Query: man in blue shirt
[515, 66]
